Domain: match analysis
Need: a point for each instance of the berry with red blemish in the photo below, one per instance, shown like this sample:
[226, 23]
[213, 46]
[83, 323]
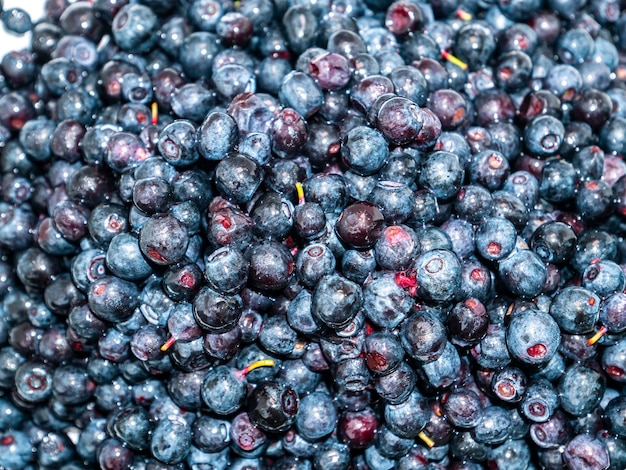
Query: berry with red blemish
[490, 169]
[163, 239]
[614, 361]
[244, 435]
[403, 17]
[495, 238]
[273, 406]
[383, 352]
[509, 384]
[450, 107]
[467, 323]
[396, 248]
[575, 309]
[595, 200]
[533, 337]
[16, 449]
[358, 428]
[552, 433]
[113, 299]
[540, 401]
[33, 382]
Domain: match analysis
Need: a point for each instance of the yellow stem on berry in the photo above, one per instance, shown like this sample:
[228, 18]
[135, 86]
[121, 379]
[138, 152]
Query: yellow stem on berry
[256, 365]
[155, 113]
[454, 60]
[595, 338]
[427, 440]
[300, 192]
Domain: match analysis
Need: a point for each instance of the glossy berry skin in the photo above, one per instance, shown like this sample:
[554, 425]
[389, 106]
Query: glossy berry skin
[270, 265]
[238, 177]
[163, 239]
[17, 449]
[177, 143]
[495, 238]
[576, 309]
[438, 274]
[605, 278]
[309, 100]
[585, 451]
[216, 136]
[273, 406]
[523, 273]
[171, 440]
[360, 225]
[594, 200]
[493, 427]
[336, 301]
[408, 418]
[442, 173]
[400, 120]
[357, 429]
[540, 401]
[593, 107]
[543, 136]
[462, 407]
[612, 312]
[125, 260]
[396, 386]
[226, 270]
[222, 391]
[313, 263]
[468, 322]
[536, 348]
[216, 312]
[33, 382]
[580, 388]
[210, 434]
[357, 264]
[509, 384]
[134, 28]
[554, 242]
[113, 299]
[309, 220]
[441, 372]
[132, 426]
[475, 44]
[364, 150]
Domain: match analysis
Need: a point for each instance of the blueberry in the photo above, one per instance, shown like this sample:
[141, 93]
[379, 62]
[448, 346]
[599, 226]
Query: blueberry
[585, 451]
[575, 309]
[171, 440]
[33, 382]
[18, 451]
[523, 273]
[543, 136]
[495, 238]
[493, 426]
[163, 239]
[134, 28]
[540, 401]
[336, 301]
[536, 348]
[270, 265]
[238, 177]
[581, 389]
[112, 298]
[594, 200]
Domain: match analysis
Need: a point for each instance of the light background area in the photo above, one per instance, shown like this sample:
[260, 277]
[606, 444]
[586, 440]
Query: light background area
[11, 42]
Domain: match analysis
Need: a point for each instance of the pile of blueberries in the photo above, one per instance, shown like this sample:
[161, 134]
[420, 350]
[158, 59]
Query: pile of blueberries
[306, 234]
